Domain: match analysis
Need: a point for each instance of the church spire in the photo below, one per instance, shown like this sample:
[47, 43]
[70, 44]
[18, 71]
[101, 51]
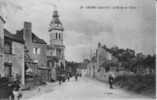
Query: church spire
[55, 23]
[56, 19]
[55, 14]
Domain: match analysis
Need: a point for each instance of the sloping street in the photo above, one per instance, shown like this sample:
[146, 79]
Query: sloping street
[85, 89]
[109, 45]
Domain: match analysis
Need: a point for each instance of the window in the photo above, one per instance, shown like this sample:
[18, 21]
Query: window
[8, 69]
[36, 51]
[59, 37]
[56, 35]
[7, 47]
[58, 52]
[56, 25]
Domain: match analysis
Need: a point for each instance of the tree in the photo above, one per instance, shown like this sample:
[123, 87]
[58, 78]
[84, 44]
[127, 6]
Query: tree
[150, 62]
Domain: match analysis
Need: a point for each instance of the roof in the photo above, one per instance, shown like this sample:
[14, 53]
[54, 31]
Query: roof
[56, 18]
[56, 28]
[59, 46]
[35, 38]
[55, 13]
[50, 47]
[55, 23]
[2, 19]
[13, 37]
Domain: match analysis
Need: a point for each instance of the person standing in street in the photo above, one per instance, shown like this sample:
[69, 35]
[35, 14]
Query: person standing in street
[68, 76]
[58, 70]
[110, 79]
[76, 76]
[59, 78]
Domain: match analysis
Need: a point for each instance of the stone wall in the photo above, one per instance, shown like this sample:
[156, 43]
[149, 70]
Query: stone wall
[18, 61]
[42, 57]
[1, 47]
[41, 60]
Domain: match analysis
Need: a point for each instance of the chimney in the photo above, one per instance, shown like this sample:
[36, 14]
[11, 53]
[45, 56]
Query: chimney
[27, 33]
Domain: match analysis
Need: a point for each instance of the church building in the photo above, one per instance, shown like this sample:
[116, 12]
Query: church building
[55, 53]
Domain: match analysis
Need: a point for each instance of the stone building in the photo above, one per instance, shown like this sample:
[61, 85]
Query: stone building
[2, 23]
[102, 55]
[51, 61]
[55, 51]
[91, 69]
[13, 56]
[37, 49]
[99, 64]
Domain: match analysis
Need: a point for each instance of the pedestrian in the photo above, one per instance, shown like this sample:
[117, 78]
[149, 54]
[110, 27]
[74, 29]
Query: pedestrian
[76, 76]
[60, 80]
[110, 79]
[68, 76]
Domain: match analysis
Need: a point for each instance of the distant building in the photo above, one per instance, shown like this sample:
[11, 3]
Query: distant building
[37, 49]
[91, 69]
[99, 64]
[2, 23]
[56, 48]
[13, 56]
[85, 62]
[102, 55]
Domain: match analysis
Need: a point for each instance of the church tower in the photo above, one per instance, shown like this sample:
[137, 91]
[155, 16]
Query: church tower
[56, 30]
[56, 37]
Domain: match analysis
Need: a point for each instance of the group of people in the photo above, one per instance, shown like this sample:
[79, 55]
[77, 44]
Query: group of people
[16, 92]
[63, 77]
[10, 88]
[77, 75]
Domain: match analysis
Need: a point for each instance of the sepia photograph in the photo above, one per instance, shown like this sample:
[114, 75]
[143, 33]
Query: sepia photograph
[78, 49]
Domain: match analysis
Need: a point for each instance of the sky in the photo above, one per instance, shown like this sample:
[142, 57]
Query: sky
[132, 28]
